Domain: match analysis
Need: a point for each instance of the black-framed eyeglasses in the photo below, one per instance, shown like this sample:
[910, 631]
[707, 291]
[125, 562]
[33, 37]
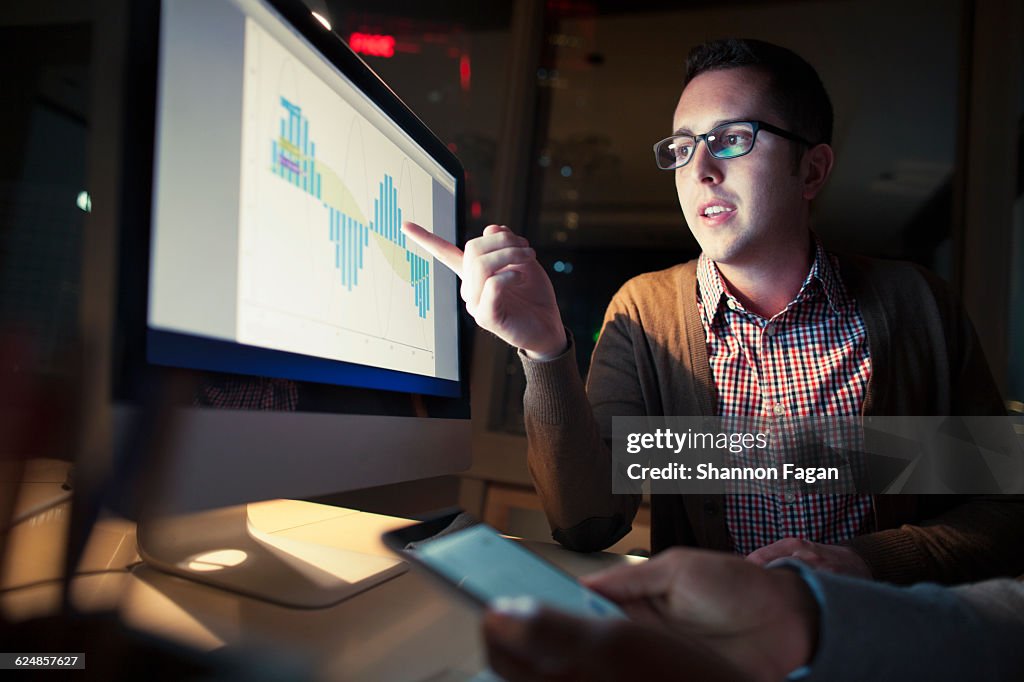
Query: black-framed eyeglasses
[727, 141]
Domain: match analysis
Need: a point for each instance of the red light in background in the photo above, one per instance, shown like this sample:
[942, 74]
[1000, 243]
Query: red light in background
[475, 209]
[465, 71]
[453, 148]
[372, 45]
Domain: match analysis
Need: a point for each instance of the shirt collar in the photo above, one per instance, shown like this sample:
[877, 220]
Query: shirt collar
[710, 287]
[826, 270]
[823, 270]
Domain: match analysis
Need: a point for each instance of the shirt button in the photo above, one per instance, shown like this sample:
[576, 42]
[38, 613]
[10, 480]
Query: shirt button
[770, 330]
[780, 409]
[733, 305]
[790, 498]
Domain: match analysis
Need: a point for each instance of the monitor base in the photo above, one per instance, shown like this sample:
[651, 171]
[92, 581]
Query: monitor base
[221, 548]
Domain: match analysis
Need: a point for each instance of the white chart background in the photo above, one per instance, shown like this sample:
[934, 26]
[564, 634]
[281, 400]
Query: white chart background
[291, 293]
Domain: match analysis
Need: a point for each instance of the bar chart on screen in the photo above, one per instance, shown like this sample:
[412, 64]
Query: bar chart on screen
[324, 267]
[293, 159]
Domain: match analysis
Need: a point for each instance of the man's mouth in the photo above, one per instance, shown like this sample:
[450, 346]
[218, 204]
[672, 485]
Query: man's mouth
[716, 211]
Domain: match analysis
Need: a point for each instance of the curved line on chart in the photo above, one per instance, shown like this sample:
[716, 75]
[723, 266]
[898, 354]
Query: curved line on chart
[380, 307]
[392, 280]
[355, 135]
[309, 222]
[422, 323]
[286, 74]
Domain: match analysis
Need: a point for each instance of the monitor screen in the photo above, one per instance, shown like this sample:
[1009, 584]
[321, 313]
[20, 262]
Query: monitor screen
[279, 190]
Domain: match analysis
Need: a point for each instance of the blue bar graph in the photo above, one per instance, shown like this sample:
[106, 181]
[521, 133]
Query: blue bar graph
[293, 158]
[293, 155]
[351, 237]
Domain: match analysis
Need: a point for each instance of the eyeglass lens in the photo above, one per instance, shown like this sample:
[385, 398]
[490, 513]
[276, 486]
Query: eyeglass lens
[724, 142]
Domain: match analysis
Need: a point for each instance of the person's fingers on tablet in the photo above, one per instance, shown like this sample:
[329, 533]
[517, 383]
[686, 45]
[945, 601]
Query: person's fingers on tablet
[525, 642]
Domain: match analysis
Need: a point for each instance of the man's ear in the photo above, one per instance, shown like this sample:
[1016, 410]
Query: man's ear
[815, 169]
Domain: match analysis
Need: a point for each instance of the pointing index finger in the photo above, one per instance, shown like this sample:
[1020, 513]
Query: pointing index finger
[449, 254]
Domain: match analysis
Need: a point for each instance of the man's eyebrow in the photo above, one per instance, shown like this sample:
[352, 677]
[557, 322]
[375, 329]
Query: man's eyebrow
[686, 131]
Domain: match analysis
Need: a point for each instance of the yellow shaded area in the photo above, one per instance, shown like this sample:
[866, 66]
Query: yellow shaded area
[289, 147]
[394, 255]
[336, 194]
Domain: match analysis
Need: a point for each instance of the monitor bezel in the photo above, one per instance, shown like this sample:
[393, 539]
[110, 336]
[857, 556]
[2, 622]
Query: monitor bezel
[442, 398]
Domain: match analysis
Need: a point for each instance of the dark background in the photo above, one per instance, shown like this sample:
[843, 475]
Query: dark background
[552, 108]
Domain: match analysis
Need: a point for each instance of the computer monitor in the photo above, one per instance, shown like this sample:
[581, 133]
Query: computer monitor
[267, 172]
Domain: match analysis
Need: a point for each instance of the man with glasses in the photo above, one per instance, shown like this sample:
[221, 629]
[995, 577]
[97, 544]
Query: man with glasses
[765, 323]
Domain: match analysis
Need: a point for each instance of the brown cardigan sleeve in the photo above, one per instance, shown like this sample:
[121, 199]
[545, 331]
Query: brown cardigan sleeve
[569, 436]
[979, 538]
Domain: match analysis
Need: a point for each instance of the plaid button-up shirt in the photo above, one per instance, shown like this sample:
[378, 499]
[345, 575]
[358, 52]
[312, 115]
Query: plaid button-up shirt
[810, 359]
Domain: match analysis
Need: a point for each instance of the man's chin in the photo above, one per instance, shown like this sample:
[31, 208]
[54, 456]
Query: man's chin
[720, 246]
[721, 253]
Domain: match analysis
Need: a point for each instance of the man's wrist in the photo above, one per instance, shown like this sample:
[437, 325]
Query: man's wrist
[555, 350]
[800, 619]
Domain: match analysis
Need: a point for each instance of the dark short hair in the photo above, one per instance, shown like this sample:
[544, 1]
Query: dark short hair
[795, 89]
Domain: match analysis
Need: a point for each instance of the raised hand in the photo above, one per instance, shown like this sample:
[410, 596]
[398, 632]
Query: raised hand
[505, 289]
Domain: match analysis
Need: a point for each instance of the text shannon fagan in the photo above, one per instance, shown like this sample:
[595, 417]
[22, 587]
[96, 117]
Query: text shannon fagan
[707, 471]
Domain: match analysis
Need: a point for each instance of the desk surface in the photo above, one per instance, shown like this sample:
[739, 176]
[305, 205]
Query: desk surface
[404, 629]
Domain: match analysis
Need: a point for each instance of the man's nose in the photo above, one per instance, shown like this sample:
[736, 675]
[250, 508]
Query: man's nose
[706, 169]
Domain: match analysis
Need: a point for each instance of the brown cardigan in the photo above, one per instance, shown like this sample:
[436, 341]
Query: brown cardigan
[651, 359]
